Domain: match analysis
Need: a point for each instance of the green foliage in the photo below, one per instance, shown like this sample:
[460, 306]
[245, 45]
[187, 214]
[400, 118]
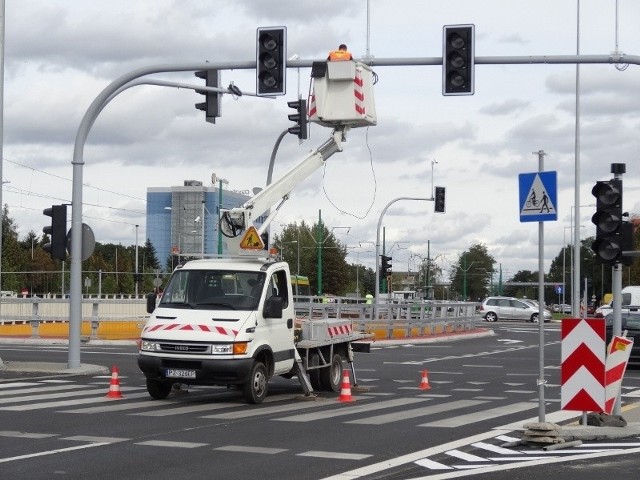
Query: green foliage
[471, 276]
[26, 265]
[303, 244]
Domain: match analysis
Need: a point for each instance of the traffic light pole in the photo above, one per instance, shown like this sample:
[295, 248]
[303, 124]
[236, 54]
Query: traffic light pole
[616, 287]
[98, 104]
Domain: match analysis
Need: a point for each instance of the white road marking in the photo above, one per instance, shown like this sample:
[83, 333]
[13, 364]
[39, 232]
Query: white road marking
[467, 457]
[165, 412]
[17, 384]
[334, 455]
[51, 452]
[165, 443]
[309, 417]
[92, 439]
[66, 403]
[15, 434]
[480, 416]
[248, 449]
[40, 389]
[417, 412]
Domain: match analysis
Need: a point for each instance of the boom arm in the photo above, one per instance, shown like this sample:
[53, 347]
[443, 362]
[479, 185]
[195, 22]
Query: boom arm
[237, 220]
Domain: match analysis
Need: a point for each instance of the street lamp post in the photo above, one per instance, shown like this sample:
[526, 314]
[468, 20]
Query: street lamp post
[575, 276]
[221, 181]
[136, 282]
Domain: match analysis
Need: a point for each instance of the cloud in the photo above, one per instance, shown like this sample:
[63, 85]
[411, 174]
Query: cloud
[505, 107]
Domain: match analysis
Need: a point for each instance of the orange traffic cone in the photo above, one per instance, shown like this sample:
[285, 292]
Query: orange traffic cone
[345, 392]
[114, 385]
[424, 382]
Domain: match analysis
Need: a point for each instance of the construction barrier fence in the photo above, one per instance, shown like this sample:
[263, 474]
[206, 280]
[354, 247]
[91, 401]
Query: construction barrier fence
[124, 317]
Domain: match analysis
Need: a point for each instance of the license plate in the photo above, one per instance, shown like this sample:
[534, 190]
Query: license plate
[176, 373]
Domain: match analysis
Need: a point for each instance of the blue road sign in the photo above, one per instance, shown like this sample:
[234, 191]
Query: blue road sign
[538, 196]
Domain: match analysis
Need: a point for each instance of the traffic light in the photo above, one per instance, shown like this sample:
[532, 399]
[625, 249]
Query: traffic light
[608, 245]
[57, 232]
[439, 197]
[385, 268]
[271, 61]
[300, 118]
[458, 60]
[212, 103]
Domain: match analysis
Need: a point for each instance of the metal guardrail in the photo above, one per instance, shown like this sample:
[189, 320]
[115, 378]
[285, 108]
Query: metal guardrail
[394, 320]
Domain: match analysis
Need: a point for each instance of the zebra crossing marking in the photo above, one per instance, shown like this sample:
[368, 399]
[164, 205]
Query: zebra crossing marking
[309, 417]
[418, 412]
[26, 391]
[66, 403]
[469, 418]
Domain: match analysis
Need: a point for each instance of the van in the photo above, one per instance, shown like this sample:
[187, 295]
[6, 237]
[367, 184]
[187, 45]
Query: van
[631, 296]
[630, 302]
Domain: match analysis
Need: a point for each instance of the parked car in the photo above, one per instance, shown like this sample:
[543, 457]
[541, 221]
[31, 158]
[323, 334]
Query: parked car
[510, 308]
[630, 323]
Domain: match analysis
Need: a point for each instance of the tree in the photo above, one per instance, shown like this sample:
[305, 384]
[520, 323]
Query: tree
[302, 244]
[523, 291]
[470, 277]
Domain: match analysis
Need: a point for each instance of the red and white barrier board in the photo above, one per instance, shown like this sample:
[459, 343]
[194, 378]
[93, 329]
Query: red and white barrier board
[583, 365]
[617, 358]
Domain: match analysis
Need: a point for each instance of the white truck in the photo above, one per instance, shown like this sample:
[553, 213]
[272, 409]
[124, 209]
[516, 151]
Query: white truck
[231, 321]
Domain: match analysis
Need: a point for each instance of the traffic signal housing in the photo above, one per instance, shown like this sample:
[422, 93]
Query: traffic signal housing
[300, 129]
[458, 60]
[271, 61]
[385, 266]
[608, 245]
[439, 200]
[57, 231]
[211, 105]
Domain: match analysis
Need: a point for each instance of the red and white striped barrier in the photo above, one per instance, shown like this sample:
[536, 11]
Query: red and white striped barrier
[617, 358]
[583, 365]
[358, 92]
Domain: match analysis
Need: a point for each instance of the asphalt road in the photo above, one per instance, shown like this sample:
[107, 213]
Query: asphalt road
[64, 427]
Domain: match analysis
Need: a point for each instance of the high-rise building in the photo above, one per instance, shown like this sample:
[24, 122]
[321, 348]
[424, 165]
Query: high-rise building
[183, 220]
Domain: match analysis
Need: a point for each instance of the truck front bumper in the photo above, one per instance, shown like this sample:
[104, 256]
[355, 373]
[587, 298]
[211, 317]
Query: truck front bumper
[208, 372]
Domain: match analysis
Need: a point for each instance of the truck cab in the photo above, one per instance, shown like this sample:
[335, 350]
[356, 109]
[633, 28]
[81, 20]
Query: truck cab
[220, 322]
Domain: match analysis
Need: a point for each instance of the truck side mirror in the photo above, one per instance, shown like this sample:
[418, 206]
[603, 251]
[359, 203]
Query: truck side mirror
[151, 302]
[273, 307]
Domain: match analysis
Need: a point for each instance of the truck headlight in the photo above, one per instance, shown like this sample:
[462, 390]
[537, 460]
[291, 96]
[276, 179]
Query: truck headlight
[147, 346]
[222, 349]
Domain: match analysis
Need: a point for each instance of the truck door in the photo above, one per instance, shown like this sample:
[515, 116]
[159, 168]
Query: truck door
[280, 330]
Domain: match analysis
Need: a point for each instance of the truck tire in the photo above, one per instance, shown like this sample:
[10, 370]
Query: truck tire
[157, 389]
[255, 390]
[331, 378]
[315, 374]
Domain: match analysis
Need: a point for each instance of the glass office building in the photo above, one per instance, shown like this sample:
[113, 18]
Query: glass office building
[183, 221]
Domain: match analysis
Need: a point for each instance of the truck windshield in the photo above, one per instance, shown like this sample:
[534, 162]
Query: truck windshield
[213, 290]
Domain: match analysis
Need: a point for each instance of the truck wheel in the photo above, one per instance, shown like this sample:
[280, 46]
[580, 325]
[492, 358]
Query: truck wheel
[331, 378]
[255, 390]
[315, 374]
[158, 390]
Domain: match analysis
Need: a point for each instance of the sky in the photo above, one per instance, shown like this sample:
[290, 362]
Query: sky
[60, 54]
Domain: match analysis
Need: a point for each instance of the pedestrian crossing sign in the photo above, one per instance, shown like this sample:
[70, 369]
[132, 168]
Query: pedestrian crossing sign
[538, 196]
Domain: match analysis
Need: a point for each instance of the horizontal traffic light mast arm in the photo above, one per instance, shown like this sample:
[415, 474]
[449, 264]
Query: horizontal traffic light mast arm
[165, 83]
[495, 60]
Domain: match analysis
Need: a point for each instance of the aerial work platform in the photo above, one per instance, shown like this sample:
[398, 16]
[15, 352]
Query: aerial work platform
[342, 95]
